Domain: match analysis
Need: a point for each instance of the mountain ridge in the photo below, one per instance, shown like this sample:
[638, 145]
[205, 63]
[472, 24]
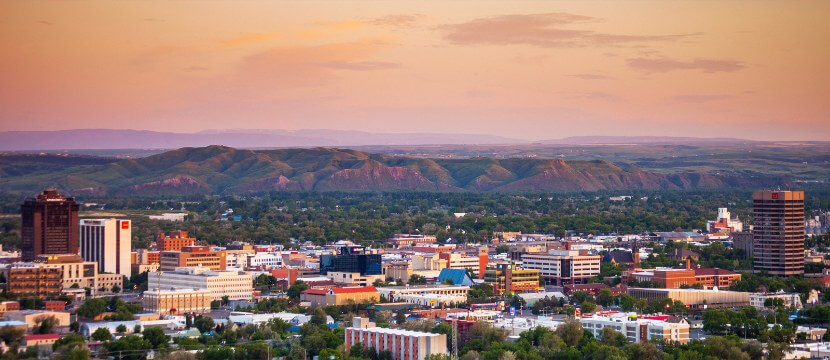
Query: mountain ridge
[226, 170]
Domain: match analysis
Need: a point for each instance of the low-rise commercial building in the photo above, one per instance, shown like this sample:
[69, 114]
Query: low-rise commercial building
[33, 317]
[236, 285]
[341, 295]
[674, 278]
[180, 301]
[405, 240]
[758, 300]
[402, 344]
[638, 329]
[694, 298]
[394, 293]
[106, 282]
[40, 340]
[354, 278]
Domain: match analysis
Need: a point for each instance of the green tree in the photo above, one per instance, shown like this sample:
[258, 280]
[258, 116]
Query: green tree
[294, 291]
[570, 332]
[156, 337]
[101, 334]
[203, 323]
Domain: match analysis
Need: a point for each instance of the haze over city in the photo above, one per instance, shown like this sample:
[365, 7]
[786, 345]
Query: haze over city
[530, 70]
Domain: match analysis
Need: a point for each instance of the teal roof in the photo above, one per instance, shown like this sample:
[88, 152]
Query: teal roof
[457, 276]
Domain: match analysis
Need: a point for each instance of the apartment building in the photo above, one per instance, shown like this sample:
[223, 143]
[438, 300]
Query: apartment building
[402, 344]
[561, 267]
[33, 280]
[638, 328]
[236, 285]
[192, 256]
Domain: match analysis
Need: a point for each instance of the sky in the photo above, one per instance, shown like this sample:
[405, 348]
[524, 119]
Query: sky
[529, 70]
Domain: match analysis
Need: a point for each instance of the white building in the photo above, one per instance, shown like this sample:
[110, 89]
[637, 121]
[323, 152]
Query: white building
[236, 285]
[560, 267]
[402, 344]
[725, 223]
[174, 217]
[395, 293]
[639, 329]
[107, 242]
[236, 260]
[265, 259]
[433, 299]
[757, 300]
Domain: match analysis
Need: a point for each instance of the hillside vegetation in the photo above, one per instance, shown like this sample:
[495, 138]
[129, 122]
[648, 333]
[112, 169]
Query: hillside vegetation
[225, 170]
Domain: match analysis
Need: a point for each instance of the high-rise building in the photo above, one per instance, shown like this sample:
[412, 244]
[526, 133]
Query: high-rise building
[778, 232]
[49, 225]
[107, 242]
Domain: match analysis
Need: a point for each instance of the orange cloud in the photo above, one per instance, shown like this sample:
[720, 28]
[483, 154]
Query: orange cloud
[249, 39]
[311, 65]
[544, 30]
[401, 20]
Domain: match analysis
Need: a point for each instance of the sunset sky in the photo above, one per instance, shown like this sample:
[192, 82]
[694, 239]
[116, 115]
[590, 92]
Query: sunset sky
[531, 70]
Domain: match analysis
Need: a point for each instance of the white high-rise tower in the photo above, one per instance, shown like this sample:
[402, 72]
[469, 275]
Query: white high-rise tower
[107, 242]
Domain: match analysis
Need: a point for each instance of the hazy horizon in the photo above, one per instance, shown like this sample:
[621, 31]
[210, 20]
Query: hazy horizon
[524, 70]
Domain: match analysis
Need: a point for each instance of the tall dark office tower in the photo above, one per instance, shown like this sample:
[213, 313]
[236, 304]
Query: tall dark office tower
[50, 225]
[778, 232]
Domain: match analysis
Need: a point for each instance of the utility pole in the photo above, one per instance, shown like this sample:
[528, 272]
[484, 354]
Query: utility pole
[455, 339]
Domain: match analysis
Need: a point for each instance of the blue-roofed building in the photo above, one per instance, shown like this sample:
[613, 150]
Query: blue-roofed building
[457, 276]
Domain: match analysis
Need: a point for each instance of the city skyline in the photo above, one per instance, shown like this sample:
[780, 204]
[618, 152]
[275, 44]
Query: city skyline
[526, 70]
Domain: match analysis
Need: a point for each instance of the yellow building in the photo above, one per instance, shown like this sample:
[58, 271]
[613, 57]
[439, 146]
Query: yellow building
[341, 296]
[511, 278]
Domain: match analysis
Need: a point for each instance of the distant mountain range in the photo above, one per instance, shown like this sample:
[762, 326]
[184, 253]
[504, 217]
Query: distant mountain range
[143, 139]
[676, 140]
[226, 170]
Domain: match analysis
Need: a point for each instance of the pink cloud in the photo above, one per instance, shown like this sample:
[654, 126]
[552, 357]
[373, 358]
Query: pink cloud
[652, 65]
